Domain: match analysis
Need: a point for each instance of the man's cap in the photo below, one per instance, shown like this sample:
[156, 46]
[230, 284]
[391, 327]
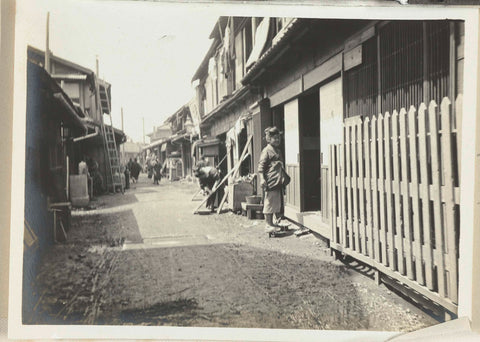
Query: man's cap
[271, 131]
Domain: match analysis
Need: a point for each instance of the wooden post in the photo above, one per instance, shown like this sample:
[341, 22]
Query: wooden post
[348, 185]
[397, 191]
[368, 187]
[436, 196]
[67, 187]
[361, 185]
[378, 279]
[414, 191]
[236, 169]
[407, 222]
[382, 228]
[374, 161]
[388, 188]
[449, 212]
[218, 185]
[424, 195]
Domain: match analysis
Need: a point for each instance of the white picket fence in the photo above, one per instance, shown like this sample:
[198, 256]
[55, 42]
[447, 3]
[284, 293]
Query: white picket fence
[394, 196]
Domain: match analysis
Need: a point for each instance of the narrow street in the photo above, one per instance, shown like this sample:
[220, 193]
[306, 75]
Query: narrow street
[143, 258]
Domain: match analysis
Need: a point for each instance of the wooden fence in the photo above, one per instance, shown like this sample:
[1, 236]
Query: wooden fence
[293, 191]
[395, 197]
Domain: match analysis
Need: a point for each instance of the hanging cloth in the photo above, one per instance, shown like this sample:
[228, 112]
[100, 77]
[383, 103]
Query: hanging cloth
[261, 36]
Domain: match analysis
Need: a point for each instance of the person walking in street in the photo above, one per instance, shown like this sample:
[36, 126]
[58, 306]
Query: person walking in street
[273, 179]
[98, 187]
[208, 176]
[126, 172]
[135, 170]
[157, 175]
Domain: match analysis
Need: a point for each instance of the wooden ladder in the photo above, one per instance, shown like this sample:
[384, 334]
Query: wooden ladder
[109, 143]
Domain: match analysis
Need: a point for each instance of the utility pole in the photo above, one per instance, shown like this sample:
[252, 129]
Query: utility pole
[143, 120]
[96, 65]
[47, 48]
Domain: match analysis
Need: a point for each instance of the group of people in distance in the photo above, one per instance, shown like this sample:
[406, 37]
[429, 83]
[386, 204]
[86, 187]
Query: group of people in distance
[154, 169]
[272, 176]
[134, 169]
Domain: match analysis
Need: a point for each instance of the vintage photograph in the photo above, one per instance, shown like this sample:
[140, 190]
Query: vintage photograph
[192, 167]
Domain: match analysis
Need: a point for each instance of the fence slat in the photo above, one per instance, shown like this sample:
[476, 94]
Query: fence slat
[458, 124]
[437, 196]
[363, 225]
[422, 144]
[355, 218]
[393, 199]
[333, 214]
[342, 195]
[407, 222]
[417, 243]
[325, 196]
[449, 198]
[348, 166]
[368, 186]
[373, 148]
[396, 190]
[388, 188]
[381, 189]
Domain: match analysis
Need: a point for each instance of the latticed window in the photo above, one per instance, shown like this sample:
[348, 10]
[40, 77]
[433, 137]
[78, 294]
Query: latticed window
[401, 65]
[406, 63]
[361, 83]
[438, 59]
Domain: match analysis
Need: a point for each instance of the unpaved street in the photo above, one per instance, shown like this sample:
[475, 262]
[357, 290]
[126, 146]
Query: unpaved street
[143, 258]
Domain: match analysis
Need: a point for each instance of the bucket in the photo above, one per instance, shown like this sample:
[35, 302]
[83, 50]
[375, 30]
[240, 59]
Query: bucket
[253, 199]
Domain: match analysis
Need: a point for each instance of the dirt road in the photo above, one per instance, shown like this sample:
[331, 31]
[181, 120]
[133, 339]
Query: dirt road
[143, 259]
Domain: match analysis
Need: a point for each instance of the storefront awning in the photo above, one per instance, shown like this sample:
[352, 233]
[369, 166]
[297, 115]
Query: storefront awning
[209, 142]
[181, 136]
[155, 144]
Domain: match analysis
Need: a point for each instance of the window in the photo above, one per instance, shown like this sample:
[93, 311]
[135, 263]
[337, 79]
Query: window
[407, 63]
[361, 83]
[401, 65]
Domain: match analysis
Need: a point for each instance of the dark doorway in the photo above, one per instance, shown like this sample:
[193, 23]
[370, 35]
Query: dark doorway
[309, 108]
[222, 151]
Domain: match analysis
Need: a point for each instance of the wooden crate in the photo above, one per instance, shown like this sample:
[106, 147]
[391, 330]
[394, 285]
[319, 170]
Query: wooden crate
[237, 193]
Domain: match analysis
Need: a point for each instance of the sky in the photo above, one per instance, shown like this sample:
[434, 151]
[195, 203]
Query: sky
[147, 51]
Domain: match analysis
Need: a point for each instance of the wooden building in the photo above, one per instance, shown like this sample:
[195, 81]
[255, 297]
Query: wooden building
[346, 94]
[52, 124]
[92, 96]
[172, 142]
[230, 111]
[180, 151]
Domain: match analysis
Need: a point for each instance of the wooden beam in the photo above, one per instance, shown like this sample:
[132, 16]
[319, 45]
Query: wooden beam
[215, 188]
[237, 168]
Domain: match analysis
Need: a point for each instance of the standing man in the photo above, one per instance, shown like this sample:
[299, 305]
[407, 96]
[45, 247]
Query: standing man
[273, 179]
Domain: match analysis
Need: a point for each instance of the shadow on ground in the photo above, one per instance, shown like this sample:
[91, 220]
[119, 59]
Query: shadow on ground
[104, 228]
[225, 285]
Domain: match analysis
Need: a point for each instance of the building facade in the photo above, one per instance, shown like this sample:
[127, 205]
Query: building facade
[92, 97]
[346, 94]
[52, 124]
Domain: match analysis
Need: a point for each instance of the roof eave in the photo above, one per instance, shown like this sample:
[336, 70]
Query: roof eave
[202, 69]
[61, 60]
[226, 104]
[270, 54]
